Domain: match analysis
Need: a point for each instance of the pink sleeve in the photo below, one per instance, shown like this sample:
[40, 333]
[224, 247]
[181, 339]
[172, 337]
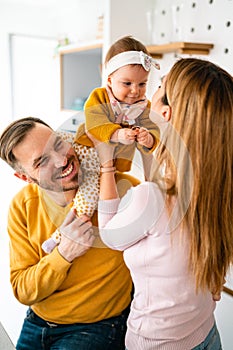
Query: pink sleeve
[133, 219]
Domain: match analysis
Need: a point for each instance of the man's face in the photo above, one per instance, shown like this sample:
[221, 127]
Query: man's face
[47, 160]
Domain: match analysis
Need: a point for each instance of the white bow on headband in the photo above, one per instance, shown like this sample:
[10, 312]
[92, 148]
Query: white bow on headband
[131, 57]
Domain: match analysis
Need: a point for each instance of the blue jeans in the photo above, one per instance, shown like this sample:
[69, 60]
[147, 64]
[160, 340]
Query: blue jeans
[211, 342]
[37, 334]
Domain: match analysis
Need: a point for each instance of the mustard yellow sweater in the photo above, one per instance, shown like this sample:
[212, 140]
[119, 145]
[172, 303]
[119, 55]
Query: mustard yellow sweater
[93, 287]
[100, 122]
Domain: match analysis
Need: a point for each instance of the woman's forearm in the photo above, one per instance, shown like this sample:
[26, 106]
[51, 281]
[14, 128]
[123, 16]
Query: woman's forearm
[108, 188]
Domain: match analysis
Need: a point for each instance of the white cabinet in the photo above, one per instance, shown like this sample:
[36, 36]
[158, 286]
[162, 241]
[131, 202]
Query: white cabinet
[80, 71]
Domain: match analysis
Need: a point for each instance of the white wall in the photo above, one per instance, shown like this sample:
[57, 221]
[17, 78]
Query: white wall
[198, 21]
[17, 19]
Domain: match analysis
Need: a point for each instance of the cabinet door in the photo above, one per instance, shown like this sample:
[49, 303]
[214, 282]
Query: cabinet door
[80, 74]
[35, 77]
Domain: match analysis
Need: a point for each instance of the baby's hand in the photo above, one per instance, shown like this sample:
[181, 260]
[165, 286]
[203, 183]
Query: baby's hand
[126, 136]
[144, 138]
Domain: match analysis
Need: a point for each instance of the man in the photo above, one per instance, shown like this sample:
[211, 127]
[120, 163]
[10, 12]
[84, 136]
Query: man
[79, 294]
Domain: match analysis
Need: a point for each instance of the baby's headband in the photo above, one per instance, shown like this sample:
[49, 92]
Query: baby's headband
[131, 57]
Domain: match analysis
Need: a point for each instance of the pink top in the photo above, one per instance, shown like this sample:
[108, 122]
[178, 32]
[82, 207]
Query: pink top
[165, 308]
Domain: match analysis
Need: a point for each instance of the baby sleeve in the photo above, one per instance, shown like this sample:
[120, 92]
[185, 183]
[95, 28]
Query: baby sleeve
[86, 199]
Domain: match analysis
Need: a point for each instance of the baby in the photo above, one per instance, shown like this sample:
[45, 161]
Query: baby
[118, 113]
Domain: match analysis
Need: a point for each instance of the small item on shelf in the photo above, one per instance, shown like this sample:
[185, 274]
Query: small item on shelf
[61, 41]
[100, 22]
[78, 103]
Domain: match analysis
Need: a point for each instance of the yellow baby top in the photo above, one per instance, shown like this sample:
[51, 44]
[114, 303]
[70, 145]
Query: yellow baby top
[100, 122]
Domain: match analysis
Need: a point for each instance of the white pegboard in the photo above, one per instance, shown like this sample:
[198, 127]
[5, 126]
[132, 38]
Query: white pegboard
[204, 21]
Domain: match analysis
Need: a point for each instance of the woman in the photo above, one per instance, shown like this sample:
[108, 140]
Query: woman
[177, 231]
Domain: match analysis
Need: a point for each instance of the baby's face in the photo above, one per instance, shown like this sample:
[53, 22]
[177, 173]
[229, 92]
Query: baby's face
[128, 83]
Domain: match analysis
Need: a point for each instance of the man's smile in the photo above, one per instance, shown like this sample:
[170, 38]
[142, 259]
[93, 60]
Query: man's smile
[67, 170]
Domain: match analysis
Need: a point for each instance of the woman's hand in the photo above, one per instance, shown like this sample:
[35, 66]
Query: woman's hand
[105, 151]
[108, 188]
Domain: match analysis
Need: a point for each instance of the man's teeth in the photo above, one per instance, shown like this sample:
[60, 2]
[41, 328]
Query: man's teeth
[68, 171]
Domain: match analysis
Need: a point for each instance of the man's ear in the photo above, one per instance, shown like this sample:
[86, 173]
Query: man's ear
[166, 112]
[22, 177]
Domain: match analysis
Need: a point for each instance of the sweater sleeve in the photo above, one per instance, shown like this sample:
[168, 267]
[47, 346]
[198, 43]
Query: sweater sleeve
[34, 275]
[123, 224]
[86, 198]
[99, 118]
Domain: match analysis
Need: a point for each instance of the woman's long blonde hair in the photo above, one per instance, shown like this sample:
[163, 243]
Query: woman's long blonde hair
[200, 95]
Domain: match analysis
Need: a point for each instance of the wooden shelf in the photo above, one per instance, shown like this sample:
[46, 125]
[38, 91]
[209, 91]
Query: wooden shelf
[228, 290]
[80, 66]
[157, 51]
[85, 47]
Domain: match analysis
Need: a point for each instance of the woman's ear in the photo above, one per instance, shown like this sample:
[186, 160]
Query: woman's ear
[109, 81]
[166, 112]
[23, 177]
